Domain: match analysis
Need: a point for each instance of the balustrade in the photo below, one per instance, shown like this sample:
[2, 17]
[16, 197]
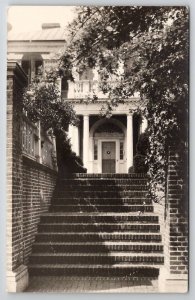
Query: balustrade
[37, 144]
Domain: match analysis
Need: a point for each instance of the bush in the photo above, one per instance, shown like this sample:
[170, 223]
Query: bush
[68, 161]
[131, 170]
[71, 163]
[139, 160]
[142, 146]
[139, 164]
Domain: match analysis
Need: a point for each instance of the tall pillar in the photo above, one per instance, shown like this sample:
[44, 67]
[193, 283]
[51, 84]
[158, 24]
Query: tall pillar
[73, 134]
[144, 125]
[129, 141]
[76, 140]
[85, 140]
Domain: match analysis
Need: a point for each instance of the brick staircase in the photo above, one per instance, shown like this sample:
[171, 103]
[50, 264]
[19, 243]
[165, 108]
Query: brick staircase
[99, 225]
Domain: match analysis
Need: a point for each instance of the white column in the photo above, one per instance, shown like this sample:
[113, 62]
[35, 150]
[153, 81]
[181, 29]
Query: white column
[86, 141]
[90, 163]
[144, 125]
[129, 141]
[73, 134]
[76, 140]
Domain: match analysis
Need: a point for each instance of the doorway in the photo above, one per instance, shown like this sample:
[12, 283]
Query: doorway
[108, 157]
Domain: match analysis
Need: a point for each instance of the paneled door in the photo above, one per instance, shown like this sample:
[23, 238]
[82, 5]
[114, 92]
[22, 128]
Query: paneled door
[108, 157]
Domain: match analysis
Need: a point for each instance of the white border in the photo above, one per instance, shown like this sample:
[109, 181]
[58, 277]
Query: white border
[3, 28]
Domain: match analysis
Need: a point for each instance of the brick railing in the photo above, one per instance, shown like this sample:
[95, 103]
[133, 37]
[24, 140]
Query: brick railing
[31, 178]
[176, 252]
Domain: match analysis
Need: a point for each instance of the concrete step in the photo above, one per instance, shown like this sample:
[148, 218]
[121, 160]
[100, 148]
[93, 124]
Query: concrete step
[96, 258]
[122, 270]
[101, 236]
[101, 208]
[91, 247]
[98, 227]
[56, 217]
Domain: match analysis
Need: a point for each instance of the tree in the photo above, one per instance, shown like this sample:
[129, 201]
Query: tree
[152, 43]
[42, 102]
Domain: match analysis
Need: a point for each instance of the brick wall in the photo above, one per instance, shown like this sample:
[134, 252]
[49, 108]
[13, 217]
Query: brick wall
[29, 184]
[176, 224]
[38, 186]
[16, 80]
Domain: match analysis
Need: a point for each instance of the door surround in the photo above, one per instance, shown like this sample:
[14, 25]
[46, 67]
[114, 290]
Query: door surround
[97, 138]
[108, 157]
[117, 143]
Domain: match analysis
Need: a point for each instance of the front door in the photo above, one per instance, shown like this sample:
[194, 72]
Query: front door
[108, 157]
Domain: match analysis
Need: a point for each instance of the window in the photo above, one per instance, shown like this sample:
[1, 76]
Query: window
[64, 88]
[95, 150]
[121, 150]
[32, 64]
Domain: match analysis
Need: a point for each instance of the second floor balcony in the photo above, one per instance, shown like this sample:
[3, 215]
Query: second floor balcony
[83, 89]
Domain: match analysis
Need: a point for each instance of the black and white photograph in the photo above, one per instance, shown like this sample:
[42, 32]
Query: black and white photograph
[97, 149]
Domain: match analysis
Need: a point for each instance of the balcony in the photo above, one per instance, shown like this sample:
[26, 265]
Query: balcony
[83, 89]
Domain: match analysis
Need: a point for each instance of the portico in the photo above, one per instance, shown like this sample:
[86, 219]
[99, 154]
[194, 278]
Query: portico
[106, 145]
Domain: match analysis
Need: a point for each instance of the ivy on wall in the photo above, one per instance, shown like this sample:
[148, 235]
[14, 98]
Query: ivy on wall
[141, 50]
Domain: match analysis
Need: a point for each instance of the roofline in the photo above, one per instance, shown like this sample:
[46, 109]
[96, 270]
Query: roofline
[37, 41]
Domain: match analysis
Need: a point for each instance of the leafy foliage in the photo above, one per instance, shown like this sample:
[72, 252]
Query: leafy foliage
[143, 145]
[42, 101]
[151, 44]
[139, 163]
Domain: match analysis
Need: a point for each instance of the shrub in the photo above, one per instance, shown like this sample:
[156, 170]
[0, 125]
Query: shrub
[139, 164]
[131, 169]
[142, 146]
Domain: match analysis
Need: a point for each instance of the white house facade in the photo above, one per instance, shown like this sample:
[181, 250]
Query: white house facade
[106, 145]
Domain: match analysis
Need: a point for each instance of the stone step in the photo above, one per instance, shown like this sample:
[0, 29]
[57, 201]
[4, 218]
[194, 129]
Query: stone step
[98, 227]
[101, 236]
[113, 270]
[106, 175]
[96, 258]
[101, 201]
[104, 194]
[101, 181]
[101, 208]
[102, 187]
[107, 246]
[54, 217]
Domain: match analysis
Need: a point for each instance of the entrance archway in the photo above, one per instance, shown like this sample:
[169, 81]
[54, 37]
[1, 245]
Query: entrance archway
[108, 140]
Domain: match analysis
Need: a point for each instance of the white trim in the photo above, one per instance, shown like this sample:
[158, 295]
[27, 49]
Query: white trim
[102, 121]
[129, 141]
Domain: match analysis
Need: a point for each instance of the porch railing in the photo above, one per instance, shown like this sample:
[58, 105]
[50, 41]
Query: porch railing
[37, 144]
